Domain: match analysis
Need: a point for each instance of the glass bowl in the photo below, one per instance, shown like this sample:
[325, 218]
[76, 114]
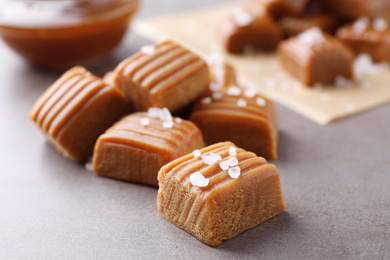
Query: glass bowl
[58, 34]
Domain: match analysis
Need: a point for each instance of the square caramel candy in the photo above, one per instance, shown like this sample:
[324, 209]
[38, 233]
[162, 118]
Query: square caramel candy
[293, 25]
[248, 30]
[278, 8]
[353, 9]
[367, 36]
[218, 192]
[315, 57]
[136, 147]
[75, 110]
[161, 75]
[242, 116]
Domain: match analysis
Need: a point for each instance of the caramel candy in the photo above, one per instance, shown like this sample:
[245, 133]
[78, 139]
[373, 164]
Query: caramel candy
[278, 7]
[353, 9]
[241, 116]
[218, 192]
[75, 110]
[222, 74]
[135, 148]
[161, 75]
[293, 25]
[316, 57]
[245, 30]
[364, 36]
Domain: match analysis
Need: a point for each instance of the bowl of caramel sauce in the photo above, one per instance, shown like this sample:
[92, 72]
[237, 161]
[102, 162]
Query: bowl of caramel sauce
[58, 34]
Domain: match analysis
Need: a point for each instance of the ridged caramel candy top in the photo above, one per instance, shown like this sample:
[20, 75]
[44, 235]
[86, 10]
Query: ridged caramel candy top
[150, 134]
[160, 67]
[64, 99]
[218, 179]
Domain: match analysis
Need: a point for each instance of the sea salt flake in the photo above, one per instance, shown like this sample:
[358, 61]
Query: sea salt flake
[88, 166]
[234, 172]
[233, 161]
[341, 81]
[145, 121]
[380, 24]
[154, 112]
[206, 100]
[312, 36]
[260, 101]
[214, 86]
[242, 102]
[168, 124]
[211, 159]
[196, 153]
[197, 179]
[224, 165]
[232, 151]
[165, 115]
[234, 91]
[217, 95]
[242, 18]
[178, 120]
[364, 65]
[350, 107]
[148, 50]
[360, 25]
[250, 93]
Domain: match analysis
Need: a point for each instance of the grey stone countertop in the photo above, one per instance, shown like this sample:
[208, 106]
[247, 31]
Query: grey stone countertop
[335, 179]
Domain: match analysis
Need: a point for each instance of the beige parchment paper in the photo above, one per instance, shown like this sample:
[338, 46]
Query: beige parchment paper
[199, 31]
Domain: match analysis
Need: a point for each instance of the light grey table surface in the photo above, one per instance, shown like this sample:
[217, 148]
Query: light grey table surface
[335, 179]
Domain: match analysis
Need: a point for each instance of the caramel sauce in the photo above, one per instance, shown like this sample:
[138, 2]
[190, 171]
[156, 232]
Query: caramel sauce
[59, 34]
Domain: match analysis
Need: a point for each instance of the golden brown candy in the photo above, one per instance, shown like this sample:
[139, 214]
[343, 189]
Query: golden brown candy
[241, 116]
[365, 36]
[245, 30]
[135, 148]
[219, 194]
[161, 75]
[75, 110]
[282, 7]
[293, 25]
[315, 57]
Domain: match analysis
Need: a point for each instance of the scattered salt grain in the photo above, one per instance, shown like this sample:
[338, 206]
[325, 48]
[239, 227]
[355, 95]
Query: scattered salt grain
[233, 161]
[250, 93]
[206, 100]
[260, 101]
[196, 153]
[145, 121]
[242, 18]
[154, 112]
[234, 172]
[360, 25]
[312, 36]
[325, 97]
[88, 166]
[341, 81]
[380, 24]
[214, 86]
[165, 115]
[197, 179]
[217, 95]
[242, 102]
[148, 49]
[168, 124]
[178, 120]
[232, 151]
[211, 159]
[350, 107]
[224, 165]
[234, 91]
[364, 65]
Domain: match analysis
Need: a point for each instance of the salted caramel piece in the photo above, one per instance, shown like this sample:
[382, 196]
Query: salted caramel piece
[245, 30]
[278, 8]
[219, 192]
[365, 36]
[315, 57]
[136, 147]
[293, 25]
[242, 116]
[354, 9]
[75, 110]
[161, 75]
